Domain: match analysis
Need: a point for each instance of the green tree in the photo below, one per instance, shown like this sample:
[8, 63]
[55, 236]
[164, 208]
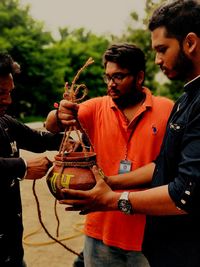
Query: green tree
[74, 48]
[26, 40]
[46, 63]
[137, 32]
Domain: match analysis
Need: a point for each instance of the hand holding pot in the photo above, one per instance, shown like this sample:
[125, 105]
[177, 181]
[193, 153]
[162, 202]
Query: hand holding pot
[37, 167]
[99, 198]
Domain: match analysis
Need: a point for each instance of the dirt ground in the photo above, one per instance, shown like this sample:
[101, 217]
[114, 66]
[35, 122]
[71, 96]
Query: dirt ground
[40, 250]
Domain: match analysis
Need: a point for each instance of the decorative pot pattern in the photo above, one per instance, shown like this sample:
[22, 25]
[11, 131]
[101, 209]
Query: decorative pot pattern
[71, 171]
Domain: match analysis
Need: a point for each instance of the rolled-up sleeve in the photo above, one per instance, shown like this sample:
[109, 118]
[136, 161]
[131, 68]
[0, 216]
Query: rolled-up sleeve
[185, 187]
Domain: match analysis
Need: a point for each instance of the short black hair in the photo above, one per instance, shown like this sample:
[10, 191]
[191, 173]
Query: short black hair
[127, 56]
[8, 65]
[179, 17]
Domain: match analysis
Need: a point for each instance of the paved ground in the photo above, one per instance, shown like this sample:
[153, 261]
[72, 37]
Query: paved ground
[39, 251]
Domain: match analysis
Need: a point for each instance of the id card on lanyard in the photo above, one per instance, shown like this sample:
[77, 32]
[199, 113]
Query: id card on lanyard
[124, 166]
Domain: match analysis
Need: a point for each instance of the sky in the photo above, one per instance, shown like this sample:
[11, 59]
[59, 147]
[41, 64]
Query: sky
[99, 16]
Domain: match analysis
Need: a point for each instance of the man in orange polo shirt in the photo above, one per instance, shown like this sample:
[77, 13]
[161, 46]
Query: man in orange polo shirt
[126, 128]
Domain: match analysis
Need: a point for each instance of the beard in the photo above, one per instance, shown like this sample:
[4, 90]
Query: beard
[183, 66]
[129, 99]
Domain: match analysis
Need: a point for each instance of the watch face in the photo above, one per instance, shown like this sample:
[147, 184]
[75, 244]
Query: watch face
[125, 206]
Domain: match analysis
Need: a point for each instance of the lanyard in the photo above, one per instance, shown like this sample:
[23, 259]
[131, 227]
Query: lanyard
[137, 120]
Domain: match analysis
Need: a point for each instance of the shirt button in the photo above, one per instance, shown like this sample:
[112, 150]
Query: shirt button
[183, 201]
[187, 192]
[1, 236]
[8, 259]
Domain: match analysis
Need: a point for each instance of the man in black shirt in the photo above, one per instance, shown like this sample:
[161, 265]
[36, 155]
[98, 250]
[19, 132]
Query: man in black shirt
[14, 136]
[173, 226]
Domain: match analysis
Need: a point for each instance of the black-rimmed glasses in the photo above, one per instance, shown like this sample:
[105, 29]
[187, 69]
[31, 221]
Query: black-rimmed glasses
[117, 78]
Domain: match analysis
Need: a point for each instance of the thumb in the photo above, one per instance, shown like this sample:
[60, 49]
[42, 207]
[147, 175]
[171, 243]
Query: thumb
[49, 162]
[98, 173]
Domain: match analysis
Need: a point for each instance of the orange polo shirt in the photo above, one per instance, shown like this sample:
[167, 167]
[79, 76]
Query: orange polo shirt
[112, 136]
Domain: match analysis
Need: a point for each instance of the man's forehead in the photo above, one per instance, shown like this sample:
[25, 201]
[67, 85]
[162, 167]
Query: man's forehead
[159, 37]
[158, 33]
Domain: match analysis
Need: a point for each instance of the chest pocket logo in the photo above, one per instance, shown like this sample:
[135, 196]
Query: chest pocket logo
[175, 127]
[174, 139]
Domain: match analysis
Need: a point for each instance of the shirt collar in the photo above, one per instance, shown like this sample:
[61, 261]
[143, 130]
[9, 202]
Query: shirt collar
[193, 84]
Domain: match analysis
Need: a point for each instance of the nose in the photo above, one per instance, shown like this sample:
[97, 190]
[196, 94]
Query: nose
[158, 59]
[111, 82]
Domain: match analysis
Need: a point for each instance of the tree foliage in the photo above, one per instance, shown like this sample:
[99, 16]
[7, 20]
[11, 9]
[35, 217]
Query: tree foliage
[74, 49]
[47, 63]
[25, 39]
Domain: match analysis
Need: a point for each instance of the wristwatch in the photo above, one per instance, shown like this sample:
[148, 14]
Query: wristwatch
[124, 204]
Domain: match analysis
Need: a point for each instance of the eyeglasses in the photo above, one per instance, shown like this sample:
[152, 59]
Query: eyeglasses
[117, 78]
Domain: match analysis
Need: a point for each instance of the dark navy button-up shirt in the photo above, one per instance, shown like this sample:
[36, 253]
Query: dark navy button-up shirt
[178, 165]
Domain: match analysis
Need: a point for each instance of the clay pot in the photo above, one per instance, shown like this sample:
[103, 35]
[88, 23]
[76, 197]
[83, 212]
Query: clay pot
[71, 171]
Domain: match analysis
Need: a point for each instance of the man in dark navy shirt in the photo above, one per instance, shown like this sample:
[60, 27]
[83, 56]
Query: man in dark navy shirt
[172, 237]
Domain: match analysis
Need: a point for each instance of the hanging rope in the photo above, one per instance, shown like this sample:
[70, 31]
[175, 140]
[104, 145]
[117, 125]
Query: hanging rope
[44, 227]
[75, 93]
[71, 93]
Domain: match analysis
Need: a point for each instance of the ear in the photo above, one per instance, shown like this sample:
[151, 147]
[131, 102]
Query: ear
[190, 43]
[140, 77]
